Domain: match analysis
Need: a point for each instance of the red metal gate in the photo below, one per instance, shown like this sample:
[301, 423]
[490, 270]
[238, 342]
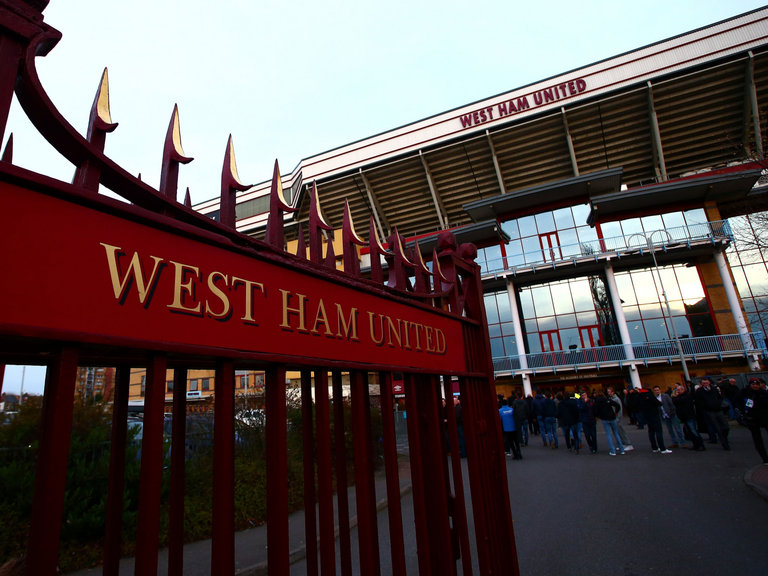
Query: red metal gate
[92, 281]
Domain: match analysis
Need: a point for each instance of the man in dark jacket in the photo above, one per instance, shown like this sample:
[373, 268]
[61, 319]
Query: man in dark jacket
[683, 401]
[752, 403]
[568, 418]
[588, 421]
[650, 408]
[709, 400]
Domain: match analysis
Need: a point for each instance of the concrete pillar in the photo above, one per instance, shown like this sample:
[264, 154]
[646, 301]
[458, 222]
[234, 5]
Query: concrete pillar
[621, 321]
[519, 340]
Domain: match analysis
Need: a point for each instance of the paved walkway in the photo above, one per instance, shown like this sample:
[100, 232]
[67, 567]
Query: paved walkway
[643, 513]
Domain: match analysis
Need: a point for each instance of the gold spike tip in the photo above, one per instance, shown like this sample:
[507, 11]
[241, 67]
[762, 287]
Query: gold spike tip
[176, 138]
[318, 210]
[101, 104]
[277, 188]
[230, 164]
[375, 237]
[351, 225]
[401, 248]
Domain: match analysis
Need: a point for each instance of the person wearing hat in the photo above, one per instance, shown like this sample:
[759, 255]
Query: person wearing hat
[752, 403]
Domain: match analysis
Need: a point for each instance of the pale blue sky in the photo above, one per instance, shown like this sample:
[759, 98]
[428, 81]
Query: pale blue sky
[289, 78]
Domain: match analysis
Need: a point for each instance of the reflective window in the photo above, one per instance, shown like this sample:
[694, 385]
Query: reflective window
[545, 222]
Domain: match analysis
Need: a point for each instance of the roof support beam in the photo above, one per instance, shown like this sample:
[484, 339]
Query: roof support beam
[378, 213]
[569, 141]
[660, 166]
[439, 209]
[751, 110]
[496, 166]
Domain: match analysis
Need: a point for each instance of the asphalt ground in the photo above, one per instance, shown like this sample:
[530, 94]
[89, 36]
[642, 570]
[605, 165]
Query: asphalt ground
[689, 513]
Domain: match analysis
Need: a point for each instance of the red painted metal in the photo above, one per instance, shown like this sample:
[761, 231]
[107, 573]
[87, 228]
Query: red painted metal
[223, 530]
[114, 527]
[277, 472]
[151, 475]
[153, 281]
[365, 490]
[178, 473]
[340, 447]
[391, 467]
[324, 474]
[51, 476]
[310, 498]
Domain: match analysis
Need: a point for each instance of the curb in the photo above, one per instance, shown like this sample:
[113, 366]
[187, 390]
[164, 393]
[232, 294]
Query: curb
[757, 479]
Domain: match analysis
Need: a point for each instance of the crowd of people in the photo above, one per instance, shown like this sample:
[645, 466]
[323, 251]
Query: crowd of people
[693, 416]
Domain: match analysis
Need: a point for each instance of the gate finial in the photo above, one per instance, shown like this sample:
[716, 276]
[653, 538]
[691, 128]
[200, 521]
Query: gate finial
[398, 271]
[230, 184]
[88, 174]
[422, 274]
[316, 226]
[350, 241]
[173, 155]
[376, 251]
[187, 199]
[277, 207]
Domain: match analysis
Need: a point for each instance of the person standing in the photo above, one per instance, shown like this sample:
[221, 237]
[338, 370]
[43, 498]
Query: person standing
[520, 406]
[710, 401]
[683, 401]
[509, 429]
[538, 413]
[568, 418]
[611, 393]
[752, 403]
[588, 421]
[606, 410]
[650, 409]
[550, 420]
[669, 417]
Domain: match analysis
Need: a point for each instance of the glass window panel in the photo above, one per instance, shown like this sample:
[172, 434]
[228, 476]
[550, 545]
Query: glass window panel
[491, 310]
[566, 321]
[588, 235]
[645, 287]
[582, 296]
[545, 222]
[625, 288]
[756, 323]
[563, 218]
[701, 325]
[510, 346]
[503, 306]
[542, 301]
[526, 303]
[515, 254]
[631, 226]
[656, 329]
[493, 258]
[742, 285]
[682, 326]
[673, 220]
[758, 278]
[531, 326]
[636, 332]
[527, 225]
[494, 330]
[677, 307]
[586, 318]
[569, 243]
[610, 229]
[669, 282]
[561, 296]
[653, 223]
[511, 228]
[651, 310]
[547, 323]
[532, 250]
[749, 305]
[695, 216]
[689, 283]
[631, 312]
[497, 347]
[534, 344]
[580, 213]
[508, 329]
[570, 337]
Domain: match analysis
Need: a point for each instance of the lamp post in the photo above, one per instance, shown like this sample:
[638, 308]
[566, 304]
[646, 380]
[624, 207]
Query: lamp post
[652, 249]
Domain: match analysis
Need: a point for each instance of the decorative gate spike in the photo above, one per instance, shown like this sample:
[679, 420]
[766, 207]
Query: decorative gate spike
[277, 207]
[173, 155]
[230, 184]
[400, 266]
[376, 251]
[88, 174]
[187, 199]
[421, 282]
[350, 241]
[316, 226]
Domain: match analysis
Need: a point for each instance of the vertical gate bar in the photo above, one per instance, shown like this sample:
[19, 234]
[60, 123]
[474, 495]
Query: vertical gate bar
[460, 514]
[278, 555]
[342, 496]
[396, 544]
[324, 474]
[178, 473]
[310, 513]
[116, 483]
[151, 475]
[51, 473]
[417, 476]
[365, 492]
[223, 529]
[435, 476]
